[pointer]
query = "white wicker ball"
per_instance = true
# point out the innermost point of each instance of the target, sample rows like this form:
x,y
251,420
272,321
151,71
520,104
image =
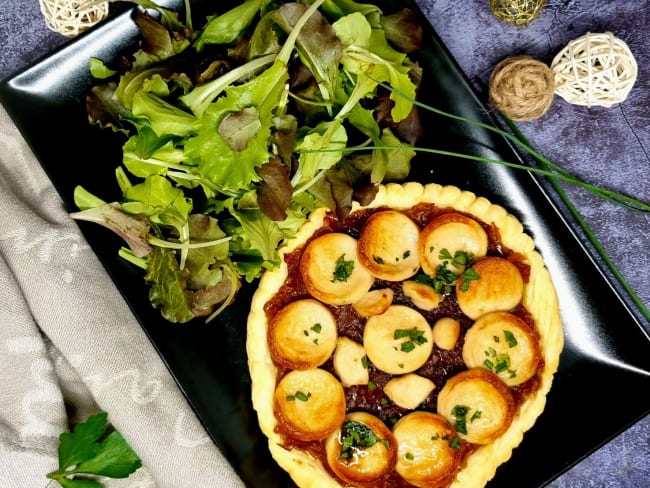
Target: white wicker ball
x,y
72,17
595,69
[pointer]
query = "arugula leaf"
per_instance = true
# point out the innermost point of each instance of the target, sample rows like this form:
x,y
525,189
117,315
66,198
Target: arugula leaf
x,y
89,450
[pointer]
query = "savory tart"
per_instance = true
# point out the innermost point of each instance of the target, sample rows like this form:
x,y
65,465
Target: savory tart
x,y
411,344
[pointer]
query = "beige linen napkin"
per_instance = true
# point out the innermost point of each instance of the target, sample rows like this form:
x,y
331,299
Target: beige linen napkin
x,y
69,346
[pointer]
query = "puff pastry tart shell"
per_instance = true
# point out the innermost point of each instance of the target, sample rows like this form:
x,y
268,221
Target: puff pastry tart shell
x,y
495,414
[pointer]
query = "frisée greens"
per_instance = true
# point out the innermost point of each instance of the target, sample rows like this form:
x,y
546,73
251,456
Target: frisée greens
x,y
236,131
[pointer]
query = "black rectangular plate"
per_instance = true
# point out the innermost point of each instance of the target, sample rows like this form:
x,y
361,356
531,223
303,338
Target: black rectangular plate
x,y
605,367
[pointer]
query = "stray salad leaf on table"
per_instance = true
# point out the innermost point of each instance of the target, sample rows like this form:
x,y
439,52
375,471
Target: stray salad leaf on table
x,y
235,132
91,451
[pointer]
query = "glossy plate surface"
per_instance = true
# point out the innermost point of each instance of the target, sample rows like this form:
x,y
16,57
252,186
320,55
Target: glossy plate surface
x,y
604,376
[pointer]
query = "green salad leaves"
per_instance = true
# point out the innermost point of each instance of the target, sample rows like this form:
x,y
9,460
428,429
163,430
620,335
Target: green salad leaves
x,y
236,131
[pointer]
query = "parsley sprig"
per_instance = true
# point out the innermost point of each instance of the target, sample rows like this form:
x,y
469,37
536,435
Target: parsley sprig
x,y
414,336
355,435
343,269
90,450
443,281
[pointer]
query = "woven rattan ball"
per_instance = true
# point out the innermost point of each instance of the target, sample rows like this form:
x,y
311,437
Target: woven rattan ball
x,y
522,88
595,69
72,17
517,12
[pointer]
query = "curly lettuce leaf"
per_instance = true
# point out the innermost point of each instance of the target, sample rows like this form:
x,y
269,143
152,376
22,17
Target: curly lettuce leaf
x,y
168,286
233,166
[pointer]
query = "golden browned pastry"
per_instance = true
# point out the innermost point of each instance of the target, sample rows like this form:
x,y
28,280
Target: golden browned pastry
x,y
440,338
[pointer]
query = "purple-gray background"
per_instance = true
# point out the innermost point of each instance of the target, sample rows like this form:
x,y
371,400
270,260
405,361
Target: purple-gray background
x,y
607,147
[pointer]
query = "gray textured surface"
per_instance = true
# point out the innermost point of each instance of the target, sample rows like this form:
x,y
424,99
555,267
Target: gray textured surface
x,y
607,147
604,146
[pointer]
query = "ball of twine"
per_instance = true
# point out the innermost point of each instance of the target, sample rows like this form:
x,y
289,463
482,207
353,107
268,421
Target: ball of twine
x,y
595,69
517,12
522,88
72,17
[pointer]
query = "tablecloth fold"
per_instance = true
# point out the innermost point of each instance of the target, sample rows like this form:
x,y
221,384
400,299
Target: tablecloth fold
x,y
70,346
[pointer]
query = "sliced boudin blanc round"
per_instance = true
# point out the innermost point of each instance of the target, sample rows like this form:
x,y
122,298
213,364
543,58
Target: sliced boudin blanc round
x,y
331,270
445,333
398,341
374,302
388,245
362,450
422,295
478,404
504,344
497,287
409,391
428,451
350,362
447,234
309,405
302,335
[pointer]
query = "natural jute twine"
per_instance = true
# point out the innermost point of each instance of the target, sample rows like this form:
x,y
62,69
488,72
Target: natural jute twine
x,y
595,69
522,88
72,17
517,12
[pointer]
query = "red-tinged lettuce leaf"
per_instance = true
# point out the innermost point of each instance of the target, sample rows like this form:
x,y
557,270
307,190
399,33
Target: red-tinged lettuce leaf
x,y
409,129
237,128
158,42
168,286
403,30
284,137
318,46
134,229
274,191
365,194
105,109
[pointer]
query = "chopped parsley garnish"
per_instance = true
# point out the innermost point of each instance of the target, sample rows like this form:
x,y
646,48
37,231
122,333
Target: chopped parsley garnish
x,y
355,435
406,254
364,362
343,269
378,259
460,259
317,328
498,362
510,338
468,275
454,443
460,413
409,456
299,395
444,279
414,338
476,415
371,385
384,401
